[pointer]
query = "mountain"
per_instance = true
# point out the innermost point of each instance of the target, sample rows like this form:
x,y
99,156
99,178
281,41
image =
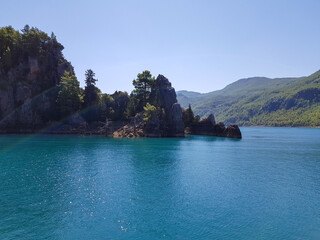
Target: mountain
x,y
261,101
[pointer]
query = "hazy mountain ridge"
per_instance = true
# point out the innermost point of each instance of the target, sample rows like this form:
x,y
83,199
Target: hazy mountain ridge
x,y
262,101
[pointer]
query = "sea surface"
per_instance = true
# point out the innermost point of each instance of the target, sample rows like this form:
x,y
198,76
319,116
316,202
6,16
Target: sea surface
x,y
265,186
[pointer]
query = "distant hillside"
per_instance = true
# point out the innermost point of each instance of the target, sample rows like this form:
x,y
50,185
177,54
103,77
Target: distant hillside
x,y
261,101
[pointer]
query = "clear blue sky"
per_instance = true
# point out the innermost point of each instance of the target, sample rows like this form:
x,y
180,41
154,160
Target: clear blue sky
x,y
199,45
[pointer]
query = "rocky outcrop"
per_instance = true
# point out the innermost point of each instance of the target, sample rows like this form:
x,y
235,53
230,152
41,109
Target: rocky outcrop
x,y
135,128
28,92
170,123
233,131
165,122
208,126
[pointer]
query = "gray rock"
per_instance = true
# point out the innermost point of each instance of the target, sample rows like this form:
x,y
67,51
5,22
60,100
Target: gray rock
x,y
28,92
164,96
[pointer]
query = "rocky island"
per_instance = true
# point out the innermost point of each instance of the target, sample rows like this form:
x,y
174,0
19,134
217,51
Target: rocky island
x,y
39,93
169,119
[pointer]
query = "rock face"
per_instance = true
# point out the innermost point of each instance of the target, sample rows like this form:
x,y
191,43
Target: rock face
x,y
208,126
165,122
28,92
164,96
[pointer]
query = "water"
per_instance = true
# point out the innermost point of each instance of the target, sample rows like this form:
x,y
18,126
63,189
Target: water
x,y
265,186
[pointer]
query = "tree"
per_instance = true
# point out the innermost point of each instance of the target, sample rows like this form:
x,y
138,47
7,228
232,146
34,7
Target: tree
x,y
132,107
26,29
9,47
92,98
91,92
188,116
69,96
143,85
116,106
90,80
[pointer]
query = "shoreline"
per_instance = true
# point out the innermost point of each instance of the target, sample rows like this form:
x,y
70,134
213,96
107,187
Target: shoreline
x,y
266,126
97,133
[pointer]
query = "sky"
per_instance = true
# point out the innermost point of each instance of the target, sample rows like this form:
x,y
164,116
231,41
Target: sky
x,y
198,45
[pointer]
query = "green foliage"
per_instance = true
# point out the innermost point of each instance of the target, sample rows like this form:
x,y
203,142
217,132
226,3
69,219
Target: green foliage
x,y
143,85
16,47
188,116
116,106
133,106
92,102
149,110
69,96
91,92
90,80
9,46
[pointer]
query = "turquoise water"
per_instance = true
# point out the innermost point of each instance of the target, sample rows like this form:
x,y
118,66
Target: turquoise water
x,y
265,186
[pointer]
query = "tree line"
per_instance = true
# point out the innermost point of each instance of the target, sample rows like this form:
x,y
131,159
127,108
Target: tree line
x,y
119,106
97,106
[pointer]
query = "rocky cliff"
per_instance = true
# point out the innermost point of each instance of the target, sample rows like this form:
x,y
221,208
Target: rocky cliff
x,y
28,80
165,121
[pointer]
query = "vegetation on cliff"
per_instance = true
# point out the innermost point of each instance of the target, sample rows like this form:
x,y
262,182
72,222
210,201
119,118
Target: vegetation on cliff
x,y
69,97
31,67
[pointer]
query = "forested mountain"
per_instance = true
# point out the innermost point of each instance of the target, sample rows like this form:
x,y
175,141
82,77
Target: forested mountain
x,y
261,101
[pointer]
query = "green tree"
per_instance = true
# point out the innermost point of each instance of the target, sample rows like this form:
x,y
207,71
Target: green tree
x,y
143,85
188,116
116,106
132,107
91,92
90,80
34,42
9,44
92,99
26,29
69,96
149,110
